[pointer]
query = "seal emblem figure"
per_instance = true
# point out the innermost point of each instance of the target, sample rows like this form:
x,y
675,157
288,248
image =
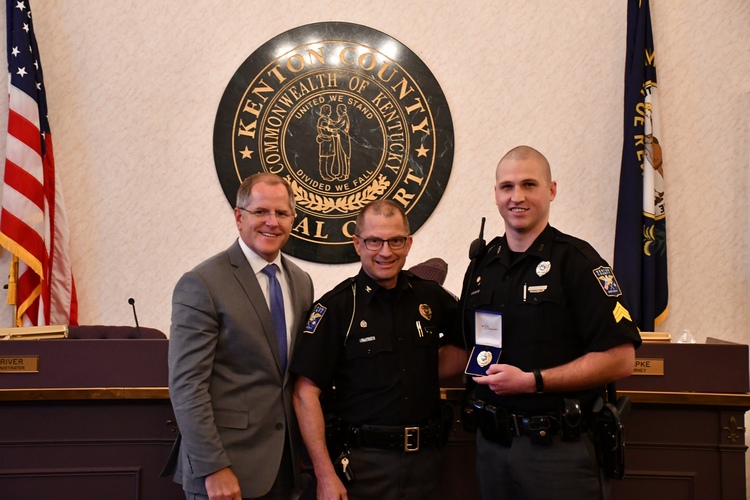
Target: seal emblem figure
x,y
347,115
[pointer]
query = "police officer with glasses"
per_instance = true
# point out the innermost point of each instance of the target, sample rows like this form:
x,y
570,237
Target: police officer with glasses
x,y
372,348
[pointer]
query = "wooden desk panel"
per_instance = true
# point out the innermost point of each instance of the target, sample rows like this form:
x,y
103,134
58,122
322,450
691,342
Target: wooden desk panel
x,y
94,422
683,452
89,448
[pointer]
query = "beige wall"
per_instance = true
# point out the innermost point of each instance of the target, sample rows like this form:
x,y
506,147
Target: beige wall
x,y
133,89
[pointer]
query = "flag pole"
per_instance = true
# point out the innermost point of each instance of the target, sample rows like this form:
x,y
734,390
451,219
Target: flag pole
x,y
13,287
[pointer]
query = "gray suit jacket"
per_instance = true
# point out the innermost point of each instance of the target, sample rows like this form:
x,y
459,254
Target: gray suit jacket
x,y
232,403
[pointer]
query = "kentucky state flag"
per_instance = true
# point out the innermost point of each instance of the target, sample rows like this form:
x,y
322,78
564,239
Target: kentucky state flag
x,y
641,238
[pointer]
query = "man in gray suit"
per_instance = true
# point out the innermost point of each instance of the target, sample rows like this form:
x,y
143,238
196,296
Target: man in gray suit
x,y
228,382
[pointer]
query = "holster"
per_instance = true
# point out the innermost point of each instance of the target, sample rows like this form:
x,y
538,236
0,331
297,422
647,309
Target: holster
x,y
470,411
609,437
571,419
492,421
335,436
446,423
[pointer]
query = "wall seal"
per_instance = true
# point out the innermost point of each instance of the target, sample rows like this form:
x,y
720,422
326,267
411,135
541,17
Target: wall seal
x,y
348,115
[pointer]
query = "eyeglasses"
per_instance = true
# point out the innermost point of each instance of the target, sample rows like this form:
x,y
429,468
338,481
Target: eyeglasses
x,y
396,243
262,213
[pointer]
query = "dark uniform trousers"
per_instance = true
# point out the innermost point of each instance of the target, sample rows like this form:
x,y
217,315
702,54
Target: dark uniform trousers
x,y
398,475
562,470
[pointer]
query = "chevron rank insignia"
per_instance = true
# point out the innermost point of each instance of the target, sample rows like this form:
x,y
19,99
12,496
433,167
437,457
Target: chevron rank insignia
x,y
620,313
607,281
315,316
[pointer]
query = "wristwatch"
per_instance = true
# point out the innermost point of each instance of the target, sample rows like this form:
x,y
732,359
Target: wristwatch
x,y
538,380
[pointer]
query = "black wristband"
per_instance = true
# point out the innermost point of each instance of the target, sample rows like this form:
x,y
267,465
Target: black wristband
x,y
538,380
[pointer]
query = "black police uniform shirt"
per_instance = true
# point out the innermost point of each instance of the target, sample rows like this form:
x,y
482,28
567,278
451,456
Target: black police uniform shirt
x,y
559,300
379,348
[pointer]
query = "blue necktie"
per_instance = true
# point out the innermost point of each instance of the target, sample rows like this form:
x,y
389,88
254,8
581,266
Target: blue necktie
x,y
277,311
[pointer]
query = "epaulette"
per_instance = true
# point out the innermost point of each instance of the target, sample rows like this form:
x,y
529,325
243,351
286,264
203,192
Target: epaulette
x,y
410,274
584,247
492,246
344,285
413,279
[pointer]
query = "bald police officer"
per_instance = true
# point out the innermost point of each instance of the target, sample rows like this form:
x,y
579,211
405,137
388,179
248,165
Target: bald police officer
x,y
564,334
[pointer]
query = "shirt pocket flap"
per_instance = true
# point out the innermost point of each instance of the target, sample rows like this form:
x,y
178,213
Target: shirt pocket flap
x,y
367,347
479,298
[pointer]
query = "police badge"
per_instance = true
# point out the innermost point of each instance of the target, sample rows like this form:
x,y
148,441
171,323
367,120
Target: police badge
x,y
543,268
425,311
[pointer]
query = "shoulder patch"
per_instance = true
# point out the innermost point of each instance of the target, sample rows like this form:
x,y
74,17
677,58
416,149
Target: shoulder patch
x,y
607,281
315,316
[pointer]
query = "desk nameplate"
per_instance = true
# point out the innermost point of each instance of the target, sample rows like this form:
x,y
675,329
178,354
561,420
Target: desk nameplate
x,y
19,364
649,366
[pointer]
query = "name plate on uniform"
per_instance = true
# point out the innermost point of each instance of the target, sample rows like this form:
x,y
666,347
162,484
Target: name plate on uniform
x,y
19,364
648,366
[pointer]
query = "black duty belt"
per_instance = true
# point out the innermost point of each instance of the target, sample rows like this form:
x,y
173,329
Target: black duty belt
x,y
526,425
501,424
400,438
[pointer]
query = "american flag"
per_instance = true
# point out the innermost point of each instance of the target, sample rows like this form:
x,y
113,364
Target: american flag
x,y
33,225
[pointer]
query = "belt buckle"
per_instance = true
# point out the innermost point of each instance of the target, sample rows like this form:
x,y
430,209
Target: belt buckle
x,y
541,424
409,432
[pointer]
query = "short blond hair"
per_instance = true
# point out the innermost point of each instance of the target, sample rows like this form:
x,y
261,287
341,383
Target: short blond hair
x,y
527,153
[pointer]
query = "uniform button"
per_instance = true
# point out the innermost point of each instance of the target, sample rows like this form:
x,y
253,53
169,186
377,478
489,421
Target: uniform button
x,y
507,276
279,426
403,369
400,339
502,306
369,351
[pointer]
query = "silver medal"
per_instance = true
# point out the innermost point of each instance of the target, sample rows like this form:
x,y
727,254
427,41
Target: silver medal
x,y
484,358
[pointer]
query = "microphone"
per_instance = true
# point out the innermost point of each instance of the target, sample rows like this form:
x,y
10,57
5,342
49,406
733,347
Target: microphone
x,y
131,301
